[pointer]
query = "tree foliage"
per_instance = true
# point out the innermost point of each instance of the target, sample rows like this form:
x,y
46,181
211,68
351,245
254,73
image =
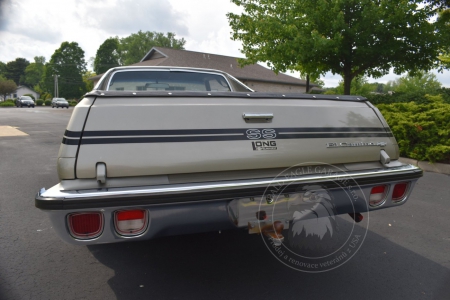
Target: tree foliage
x,y
15,70
89,83
133,48
2,69
67,62
443,23
423,82
107,56
347,37
34,72
7,86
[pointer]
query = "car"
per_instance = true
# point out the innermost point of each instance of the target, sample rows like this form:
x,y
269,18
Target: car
x,y
60,102
159,151
26,101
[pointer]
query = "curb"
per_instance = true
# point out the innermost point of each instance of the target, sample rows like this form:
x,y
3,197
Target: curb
x,y
427,166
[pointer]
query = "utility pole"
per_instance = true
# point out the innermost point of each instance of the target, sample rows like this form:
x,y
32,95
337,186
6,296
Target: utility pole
x,y
56,86
307,83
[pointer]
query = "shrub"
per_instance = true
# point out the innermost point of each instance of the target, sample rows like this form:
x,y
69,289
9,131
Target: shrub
x,y
422,130
418,97
6,103
39,102
48,102
73,103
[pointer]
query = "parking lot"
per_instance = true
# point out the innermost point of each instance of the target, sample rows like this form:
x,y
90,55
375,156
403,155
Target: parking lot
x,y
406,254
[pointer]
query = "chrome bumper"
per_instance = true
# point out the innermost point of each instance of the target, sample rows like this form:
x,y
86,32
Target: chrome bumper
x,y
57,199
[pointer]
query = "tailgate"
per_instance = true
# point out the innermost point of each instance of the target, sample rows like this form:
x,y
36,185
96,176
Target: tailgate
x,y
138,136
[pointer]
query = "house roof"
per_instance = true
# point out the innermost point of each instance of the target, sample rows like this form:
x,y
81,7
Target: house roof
x,y
25,87
159,56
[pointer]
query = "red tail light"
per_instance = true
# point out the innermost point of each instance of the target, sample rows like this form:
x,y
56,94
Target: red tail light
x,y
399,192
378,195
130,222
85,225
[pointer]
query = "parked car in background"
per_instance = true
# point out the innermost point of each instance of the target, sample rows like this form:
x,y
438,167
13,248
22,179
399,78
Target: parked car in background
x,y
60,102
25,101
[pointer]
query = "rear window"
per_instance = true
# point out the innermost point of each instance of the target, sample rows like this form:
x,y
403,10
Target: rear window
x,y
167,81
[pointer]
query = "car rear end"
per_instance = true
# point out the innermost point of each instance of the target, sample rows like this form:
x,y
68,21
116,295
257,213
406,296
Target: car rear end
x,y
140,164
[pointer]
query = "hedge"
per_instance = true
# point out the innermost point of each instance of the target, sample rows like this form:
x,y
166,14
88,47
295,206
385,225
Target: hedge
x,y
48,102
39,102
422,130
418,97
6,103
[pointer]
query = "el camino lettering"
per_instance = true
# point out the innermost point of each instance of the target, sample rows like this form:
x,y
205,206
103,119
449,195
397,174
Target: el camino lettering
x,y
357,144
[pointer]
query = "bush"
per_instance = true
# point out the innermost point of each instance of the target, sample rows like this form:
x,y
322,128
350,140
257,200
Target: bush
x,y
6,103
48,102
73,103
422,130
404,97
39,102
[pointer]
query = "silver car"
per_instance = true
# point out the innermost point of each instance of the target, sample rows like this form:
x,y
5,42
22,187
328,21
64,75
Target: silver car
x,y
60,102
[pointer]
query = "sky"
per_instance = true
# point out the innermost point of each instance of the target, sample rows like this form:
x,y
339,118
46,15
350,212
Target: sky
x,y
30,28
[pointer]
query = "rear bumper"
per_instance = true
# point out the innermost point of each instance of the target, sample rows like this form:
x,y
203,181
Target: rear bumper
x,y
199,207
56,199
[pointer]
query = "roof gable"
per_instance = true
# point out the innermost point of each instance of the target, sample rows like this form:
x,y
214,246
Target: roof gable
x,y
159,56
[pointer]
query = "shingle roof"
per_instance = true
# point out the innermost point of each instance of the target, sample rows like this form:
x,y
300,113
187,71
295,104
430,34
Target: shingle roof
x,y
159,56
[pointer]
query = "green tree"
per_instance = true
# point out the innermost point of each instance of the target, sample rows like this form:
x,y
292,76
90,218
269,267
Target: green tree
x,y
107,56
15,70
2,69
35,71
7,86
133,48
360,86
347,37
443,22
89,83
68,63
422,82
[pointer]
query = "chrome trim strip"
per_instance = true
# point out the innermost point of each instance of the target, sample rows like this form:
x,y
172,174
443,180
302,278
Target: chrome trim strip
x,y
217,186
257,116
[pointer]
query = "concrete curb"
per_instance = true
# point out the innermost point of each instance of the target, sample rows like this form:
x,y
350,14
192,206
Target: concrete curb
x,y
427,166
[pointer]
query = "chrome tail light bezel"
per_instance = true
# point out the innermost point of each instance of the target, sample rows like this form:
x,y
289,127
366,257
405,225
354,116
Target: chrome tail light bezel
x,y
90,236
403,198
136,233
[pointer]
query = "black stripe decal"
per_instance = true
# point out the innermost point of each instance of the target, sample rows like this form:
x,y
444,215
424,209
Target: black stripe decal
x,y
75,134
181,139
104,133
70,141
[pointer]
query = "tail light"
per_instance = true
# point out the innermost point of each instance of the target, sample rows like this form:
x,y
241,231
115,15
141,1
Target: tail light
x,y
85,225
130,222
378,195
399,192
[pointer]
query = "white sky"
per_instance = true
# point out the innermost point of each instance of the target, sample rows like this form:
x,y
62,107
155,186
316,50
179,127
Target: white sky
x,y
30,28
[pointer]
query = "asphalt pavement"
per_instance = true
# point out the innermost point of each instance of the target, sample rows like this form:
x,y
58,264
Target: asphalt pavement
x,y
405,255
